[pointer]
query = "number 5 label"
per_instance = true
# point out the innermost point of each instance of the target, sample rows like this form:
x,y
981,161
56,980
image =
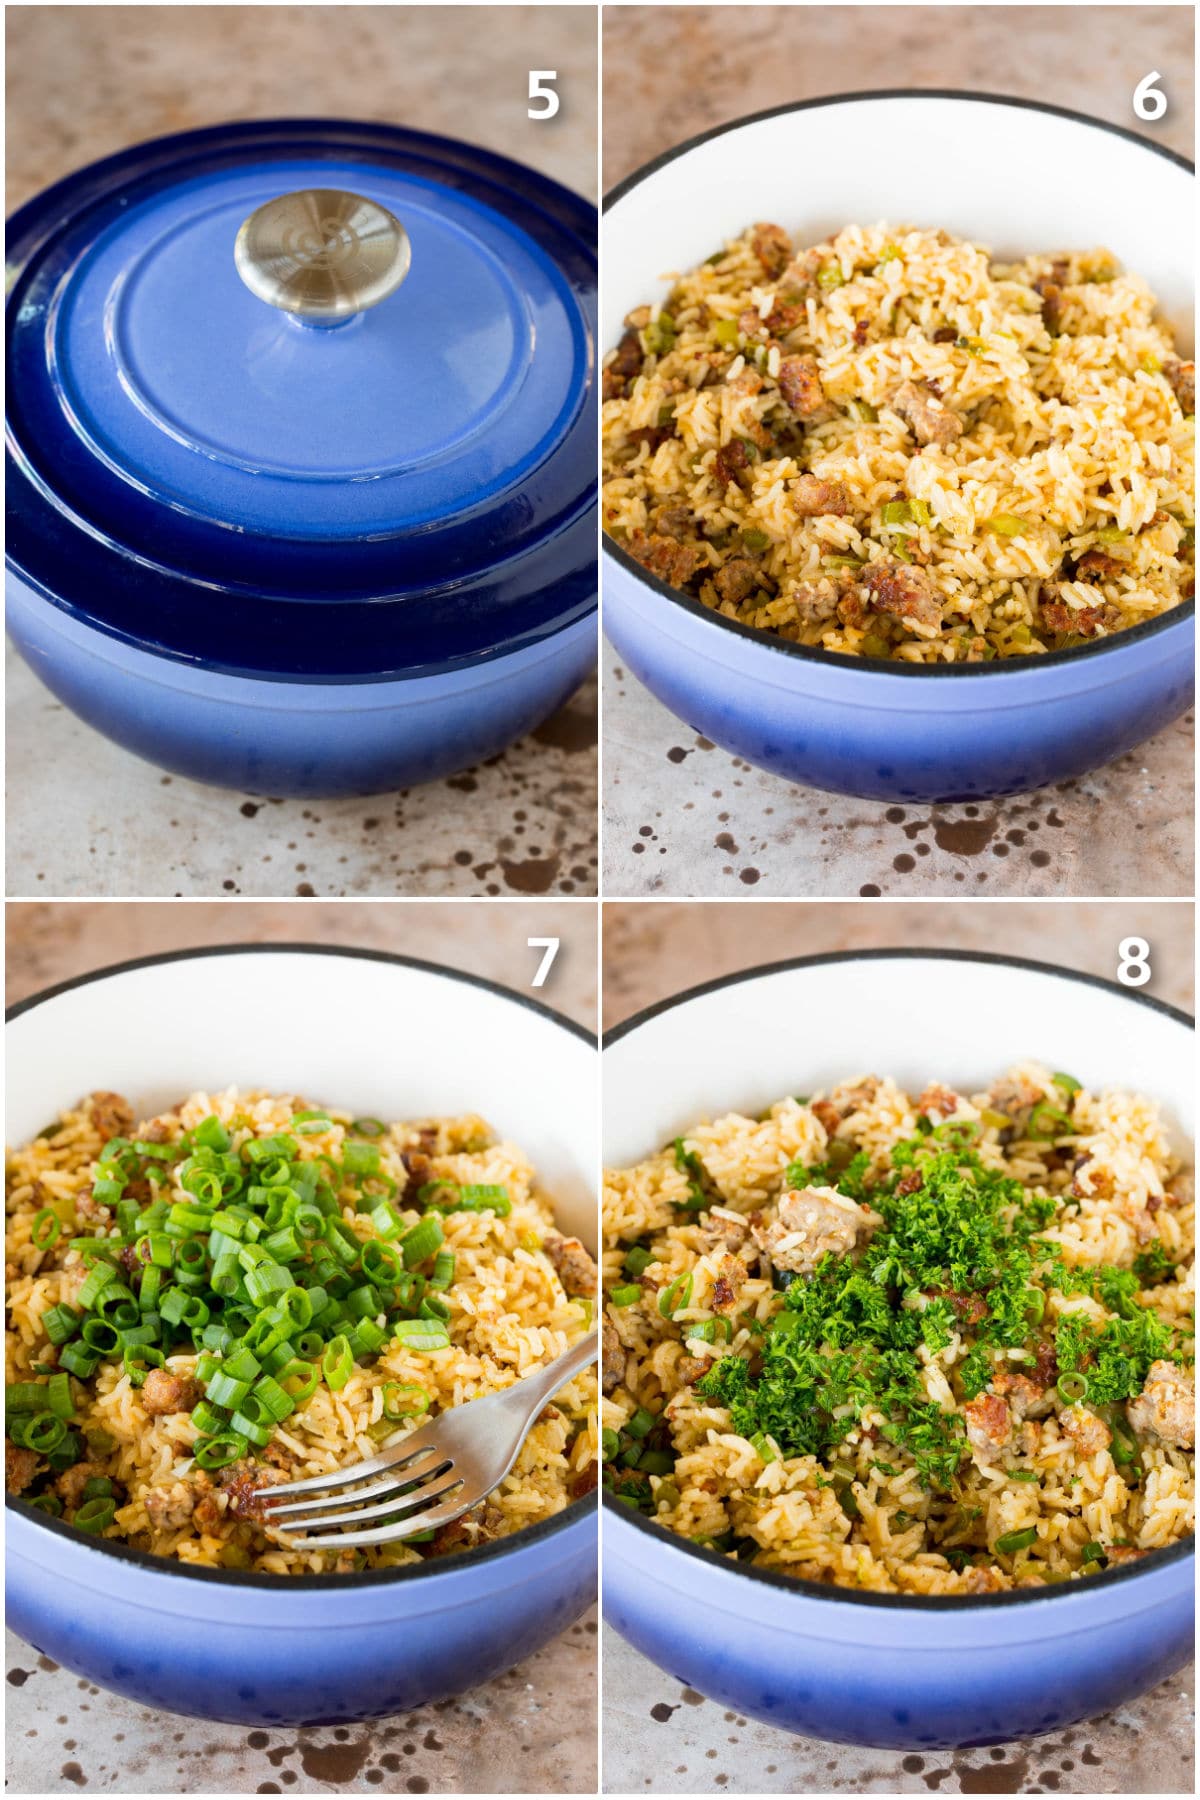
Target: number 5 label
x,y
540,89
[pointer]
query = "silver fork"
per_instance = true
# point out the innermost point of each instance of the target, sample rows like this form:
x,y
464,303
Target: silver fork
x,y
434,1476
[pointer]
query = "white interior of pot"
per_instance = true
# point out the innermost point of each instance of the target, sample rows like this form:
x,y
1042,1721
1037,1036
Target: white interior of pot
x,y
746,1045
1010,177
380,1039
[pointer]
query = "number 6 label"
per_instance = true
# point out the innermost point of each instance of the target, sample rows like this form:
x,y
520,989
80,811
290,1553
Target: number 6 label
x,y
1149,102
540,89
1133,969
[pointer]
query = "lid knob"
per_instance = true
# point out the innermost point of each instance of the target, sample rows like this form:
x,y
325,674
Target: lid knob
x,y
322,254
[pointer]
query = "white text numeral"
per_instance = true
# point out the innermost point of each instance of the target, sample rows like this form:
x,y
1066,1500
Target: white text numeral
x,y
1133,969
549,950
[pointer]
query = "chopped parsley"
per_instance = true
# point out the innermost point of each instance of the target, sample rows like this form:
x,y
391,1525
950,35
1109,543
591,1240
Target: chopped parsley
x,y
959,1239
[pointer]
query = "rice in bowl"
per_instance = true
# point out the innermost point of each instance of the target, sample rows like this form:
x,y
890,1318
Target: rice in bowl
x,y
892,445
487,1293
929,1345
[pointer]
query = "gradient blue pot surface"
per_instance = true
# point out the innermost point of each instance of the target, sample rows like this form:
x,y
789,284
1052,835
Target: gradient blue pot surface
x,y
890,1672
298,560
926,735
309,1650
297,739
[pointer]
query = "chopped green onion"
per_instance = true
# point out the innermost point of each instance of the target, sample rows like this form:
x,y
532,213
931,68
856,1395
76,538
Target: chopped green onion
x,y
829,276
641,1424
896,512
337,1364
95,1515
443,1270
299,1379
61,1322
1073,1387
1068,1083
1091,1552
44,1432
1023,1475
1047,1122
421,1334
422,1242
677,1296
58,1396
625,1296
404,1400
1016,1540
45,1229
219,1452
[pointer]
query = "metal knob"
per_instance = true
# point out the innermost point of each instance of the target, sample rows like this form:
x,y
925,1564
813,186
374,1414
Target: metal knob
x,y
322,255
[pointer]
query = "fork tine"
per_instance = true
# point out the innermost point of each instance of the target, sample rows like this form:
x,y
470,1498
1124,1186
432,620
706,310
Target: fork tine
x,y
385,1534
395,1477
395,1458
441,1485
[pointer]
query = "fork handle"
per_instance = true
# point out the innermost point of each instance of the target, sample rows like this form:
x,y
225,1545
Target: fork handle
x,y
536,1389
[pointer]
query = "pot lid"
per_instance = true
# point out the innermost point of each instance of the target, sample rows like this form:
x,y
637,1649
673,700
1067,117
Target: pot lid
x,y
260,372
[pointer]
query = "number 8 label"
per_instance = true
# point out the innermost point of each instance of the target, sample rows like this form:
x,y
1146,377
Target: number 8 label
x,y
1133,969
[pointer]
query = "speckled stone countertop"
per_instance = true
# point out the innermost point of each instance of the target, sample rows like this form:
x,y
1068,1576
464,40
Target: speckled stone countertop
x,y
533,1730
681,817
694,1745
85,817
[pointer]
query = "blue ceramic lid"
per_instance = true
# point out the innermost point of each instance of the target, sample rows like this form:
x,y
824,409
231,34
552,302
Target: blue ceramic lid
x,y
349,433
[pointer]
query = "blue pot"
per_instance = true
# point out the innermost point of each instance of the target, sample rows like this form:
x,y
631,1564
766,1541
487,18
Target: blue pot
x,y
272,1650
895,1673
273,555
308,1650
888,731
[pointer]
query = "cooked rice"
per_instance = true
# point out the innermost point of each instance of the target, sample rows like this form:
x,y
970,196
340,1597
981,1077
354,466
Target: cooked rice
x,y
858,1514
510,1316
1076,442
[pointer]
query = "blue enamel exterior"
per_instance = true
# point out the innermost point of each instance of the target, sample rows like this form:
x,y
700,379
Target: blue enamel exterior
x,y
303,562
239,550
303,739
896,1673
294,1651
883,733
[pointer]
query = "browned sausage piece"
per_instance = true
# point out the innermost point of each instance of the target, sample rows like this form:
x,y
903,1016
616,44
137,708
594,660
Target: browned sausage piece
x,y
576,1270
111,1114
163,1392
773,248
1083,620
730,463
1094,565
613,1356
20,1467
812,497
928,417
736,580
800,385
1182,377
666,557
903,591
